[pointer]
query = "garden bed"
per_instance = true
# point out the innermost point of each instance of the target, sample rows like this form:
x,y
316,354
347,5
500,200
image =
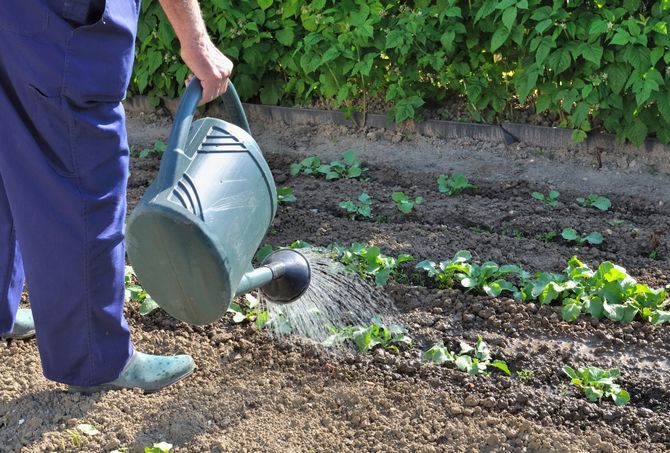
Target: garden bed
x,y
256,392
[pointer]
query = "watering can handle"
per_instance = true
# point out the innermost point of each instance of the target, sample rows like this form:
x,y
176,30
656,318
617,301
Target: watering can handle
x,y
174,158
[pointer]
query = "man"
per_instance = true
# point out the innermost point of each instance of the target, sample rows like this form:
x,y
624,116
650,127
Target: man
x,y
64,69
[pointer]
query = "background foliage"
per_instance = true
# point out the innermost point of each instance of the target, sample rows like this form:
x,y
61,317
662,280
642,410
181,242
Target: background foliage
x,y
596,64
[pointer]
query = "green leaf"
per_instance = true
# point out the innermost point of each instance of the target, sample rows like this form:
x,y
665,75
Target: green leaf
x,y
569,234
509,16
592,53
621,38
621,398
501,365
147,306
571,310
463,362
593,393
498,39
578,136
616,77
285,36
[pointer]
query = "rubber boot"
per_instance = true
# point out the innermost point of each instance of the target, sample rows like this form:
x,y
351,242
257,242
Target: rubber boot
x,y
146,372
24,326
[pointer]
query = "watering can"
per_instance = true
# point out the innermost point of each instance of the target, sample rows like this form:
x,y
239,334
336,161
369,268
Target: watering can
x,y
194,233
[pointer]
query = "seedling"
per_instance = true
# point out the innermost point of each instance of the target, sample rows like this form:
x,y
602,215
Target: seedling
x,y
571,235
161,447
404,203
472,360
549,235
362,208
550,199
249,310
135,292
285,195
350,167
453,185
595,201
525,375
444,272
368,262
596,383
487,278
366,338
158,149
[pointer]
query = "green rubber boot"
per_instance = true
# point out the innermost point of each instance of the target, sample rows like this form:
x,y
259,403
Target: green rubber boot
x,y
146,372
24,326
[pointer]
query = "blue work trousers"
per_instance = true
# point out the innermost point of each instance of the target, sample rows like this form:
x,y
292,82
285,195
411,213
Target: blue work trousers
x,y
64,69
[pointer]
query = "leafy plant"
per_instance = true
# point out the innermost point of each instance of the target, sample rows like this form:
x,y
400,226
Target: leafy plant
x,y
472,360
571,235
444,271
158,149
550,199
350,167
597,383
368,261
607,292
135,292
595,201
362,208
454,184
589,66
404,203
487,278
366,338
285,195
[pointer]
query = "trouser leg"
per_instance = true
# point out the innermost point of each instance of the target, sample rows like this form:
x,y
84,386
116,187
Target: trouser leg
x,y
11,266
64,163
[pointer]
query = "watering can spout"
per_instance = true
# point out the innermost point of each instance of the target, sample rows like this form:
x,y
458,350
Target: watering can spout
x,y
282,277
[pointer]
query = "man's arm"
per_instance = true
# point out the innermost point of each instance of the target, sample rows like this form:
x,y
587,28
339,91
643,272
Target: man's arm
x,y
197,50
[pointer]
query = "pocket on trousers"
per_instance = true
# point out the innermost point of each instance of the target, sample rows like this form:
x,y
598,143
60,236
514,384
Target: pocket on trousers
x,y
23,17
52,130
81,13
100,55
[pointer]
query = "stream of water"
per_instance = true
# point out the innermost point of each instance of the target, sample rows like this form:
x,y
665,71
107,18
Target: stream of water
x,y
335,297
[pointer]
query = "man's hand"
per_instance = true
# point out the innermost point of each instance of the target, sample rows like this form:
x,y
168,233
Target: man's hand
x,y
210,66
198,52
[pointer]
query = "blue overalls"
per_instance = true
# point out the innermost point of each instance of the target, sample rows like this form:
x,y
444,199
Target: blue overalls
x,y
64,68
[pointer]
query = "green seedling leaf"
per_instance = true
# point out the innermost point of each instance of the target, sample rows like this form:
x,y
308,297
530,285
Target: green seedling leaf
x,y
161,447
147,306
285,195
404,203
551,199
502,366
88,429
596,201
454,184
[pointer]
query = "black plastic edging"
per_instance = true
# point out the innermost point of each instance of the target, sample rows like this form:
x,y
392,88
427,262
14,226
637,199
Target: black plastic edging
x,y
508,133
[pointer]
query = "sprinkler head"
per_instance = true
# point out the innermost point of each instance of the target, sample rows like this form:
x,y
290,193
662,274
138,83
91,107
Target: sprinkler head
x,y
291,276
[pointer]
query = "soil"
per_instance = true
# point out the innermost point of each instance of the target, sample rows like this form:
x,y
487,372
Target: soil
x,y
256,392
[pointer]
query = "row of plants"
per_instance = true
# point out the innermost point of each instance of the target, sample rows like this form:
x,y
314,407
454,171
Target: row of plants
x,y
361,208
595,64
606,292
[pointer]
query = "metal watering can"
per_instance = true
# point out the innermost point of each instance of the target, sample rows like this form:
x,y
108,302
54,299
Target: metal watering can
x,y
194,233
